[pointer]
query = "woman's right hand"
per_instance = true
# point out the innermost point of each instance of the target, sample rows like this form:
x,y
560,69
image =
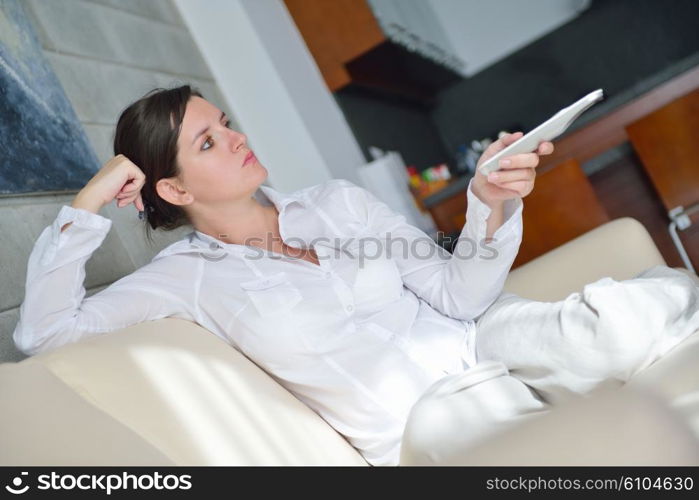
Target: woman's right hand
x,y
119,179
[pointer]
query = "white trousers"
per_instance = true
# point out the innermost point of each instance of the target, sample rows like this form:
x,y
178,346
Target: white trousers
x,y
532,355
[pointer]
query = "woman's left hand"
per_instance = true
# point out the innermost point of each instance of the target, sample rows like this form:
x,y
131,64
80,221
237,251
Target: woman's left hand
x,y
515,179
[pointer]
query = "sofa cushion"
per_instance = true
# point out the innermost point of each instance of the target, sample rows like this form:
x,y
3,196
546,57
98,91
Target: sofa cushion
x,y
675,378
44,422
196,398
619,249
607,427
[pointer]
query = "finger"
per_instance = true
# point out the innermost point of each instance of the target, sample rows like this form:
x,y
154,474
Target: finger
x,y
124,196
522,188
508,139
545,148
505,176
503,142
511,192
125,200
139,203
524,160
131,187
124,192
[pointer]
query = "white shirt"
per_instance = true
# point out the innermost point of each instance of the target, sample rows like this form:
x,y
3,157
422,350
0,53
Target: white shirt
x,y
358,338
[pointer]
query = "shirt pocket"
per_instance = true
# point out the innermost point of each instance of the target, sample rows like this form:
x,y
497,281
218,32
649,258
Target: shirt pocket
x,y
272,295
378,282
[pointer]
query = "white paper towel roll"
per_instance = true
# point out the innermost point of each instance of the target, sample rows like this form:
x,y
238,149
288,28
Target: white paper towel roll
x,y
388,180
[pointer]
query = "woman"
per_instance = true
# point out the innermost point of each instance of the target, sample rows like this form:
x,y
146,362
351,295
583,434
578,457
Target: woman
x,y
339,299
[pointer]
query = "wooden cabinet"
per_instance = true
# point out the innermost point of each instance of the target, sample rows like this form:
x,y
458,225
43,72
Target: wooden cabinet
x,y
562,206
667,142
350,49
336,32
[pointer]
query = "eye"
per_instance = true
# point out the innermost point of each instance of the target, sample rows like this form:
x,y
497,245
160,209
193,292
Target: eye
x,y
208,140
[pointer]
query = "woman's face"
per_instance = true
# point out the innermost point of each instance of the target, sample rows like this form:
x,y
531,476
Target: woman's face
x,y
212,157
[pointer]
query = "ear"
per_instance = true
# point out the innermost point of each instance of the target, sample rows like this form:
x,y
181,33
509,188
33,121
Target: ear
x,y
171,191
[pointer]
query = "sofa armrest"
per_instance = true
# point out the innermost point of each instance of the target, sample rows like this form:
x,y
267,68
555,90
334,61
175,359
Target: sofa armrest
x,y
190,395
619,249
45,422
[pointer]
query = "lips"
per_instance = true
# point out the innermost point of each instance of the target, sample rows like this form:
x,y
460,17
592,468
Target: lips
x,y
249,158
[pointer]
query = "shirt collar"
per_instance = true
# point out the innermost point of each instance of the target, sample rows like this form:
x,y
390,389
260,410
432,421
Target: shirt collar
x,y
280,200
267,196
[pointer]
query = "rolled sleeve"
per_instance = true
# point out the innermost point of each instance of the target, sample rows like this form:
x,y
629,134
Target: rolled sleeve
x,y
477,214
55,311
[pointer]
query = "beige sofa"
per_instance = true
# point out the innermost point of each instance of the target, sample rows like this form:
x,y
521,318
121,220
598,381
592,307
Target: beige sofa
x,y
169,392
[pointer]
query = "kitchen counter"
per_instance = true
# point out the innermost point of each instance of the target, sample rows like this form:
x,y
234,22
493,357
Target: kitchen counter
x,y
458,184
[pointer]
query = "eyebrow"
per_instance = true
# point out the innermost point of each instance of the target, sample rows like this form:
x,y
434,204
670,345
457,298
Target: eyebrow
x,y
203,131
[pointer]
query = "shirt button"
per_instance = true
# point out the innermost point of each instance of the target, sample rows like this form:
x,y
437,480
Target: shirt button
x,y
349,308
328,274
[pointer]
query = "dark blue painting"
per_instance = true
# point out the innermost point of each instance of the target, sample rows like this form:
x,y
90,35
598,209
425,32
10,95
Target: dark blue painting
x,y
42,145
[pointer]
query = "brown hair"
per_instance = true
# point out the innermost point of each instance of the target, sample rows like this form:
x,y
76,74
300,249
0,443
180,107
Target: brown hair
x,y
146,134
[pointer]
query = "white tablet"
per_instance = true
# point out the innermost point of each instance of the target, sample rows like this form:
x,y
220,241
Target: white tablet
x,y
547,131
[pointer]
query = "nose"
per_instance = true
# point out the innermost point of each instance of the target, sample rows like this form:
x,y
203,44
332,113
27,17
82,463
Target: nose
x,y
237,140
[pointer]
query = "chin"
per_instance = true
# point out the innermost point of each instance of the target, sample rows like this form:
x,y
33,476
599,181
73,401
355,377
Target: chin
x,y
260,179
